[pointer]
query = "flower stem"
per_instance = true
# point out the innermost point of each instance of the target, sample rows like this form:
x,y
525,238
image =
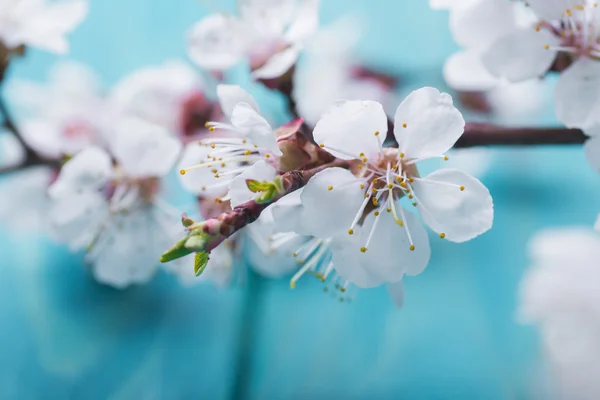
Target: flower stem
x,y
493,135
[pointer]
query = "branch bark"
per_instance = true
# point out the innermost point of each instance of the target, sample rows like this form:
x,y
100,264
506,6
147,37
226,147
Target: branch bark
x,y
492,135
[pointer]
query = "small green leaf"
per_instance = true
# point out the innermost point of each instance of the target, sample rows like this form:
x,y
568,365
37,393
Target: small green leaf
x,y
200,262
176,251
255,186
186,221
196,242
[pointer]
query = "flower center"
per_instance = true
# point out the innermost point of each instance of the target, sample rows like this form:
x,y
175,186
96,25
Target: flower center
x,y
577,31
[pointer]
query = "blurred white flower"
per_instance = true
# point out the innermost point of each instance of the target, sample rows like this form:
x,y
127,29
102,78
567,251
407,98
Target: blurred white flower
x,y
40,23
64,115
561,294
270,34
327,73
115,210
361,210
250,149
170,95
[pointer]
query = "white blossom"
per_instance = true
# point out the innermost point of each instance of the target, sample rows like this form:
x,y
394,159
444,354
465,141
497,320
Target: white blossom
x,y
40,23
115,210
560,295
270,34
367,250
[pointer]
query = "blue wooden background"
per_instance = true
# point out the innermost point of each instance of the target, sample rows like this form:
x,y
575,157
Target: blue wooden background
x,y
64,336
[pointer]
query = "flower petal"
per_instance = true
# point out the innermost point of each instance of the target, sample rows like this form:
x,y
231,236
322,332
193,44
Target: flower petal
x,y
465,71
521,55
288,213
351,267
144,150
459,214
231,95
305,23
577,95
330,213
592,152
216,43
549,10
348,129
477,24
255,128
396,292
238,189
278,64
89,170
202,181
427,124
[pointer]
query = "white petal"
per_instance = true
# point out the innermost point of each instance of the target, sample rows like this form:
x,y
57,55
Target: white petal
x,y
77,218
12,153
127,254
460,215
231,95
396,292
448,4
351,267
305,23
278,64
331,212
88,170
577,95
427,124
238,189
597,223
348,129
267,17
521,55
592,152
465,71
255,128
288,213
202,180
549,10
478,24
216,42
143,149
269,261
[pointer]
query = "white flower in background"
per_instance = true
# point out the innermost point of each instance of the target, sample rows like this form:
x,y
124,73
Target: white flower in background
x,y
561,295
64,115
248,140
361,209
116,210
170,95
326,73
40,23
23,200
270,34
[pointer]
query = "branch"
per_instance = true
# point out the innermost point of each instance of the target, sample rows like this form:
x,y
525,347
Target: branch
x,y
492,135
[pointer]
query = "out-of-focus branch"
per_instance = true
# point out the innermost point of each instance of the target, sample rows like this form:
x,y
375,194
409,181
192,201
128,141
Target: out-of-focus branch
x,y
492,135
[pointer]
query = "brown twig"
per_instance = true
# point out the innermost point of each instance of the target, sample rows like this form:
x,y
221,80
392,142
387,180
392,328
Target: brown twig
x,y
492,135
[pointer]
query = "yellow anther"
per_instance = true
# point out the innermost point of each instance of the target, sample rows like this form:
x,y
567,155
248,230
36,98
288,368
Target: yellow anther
x,y
445,158
321,145
207,124
212,129
388,209
203,188
295,254
182,171
410,196
217,176
363,249
329,187
404,125
547,46
376,213
442,235
399,222
389,185
364,159
244,141
213,146
412,247
462,188
362,185
411,180
374,190
414,204
403,184
342,290
361,155
401,155
214,170
292,284
256,146
223,164
376,133
247,152
399,179
375,202
350,231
